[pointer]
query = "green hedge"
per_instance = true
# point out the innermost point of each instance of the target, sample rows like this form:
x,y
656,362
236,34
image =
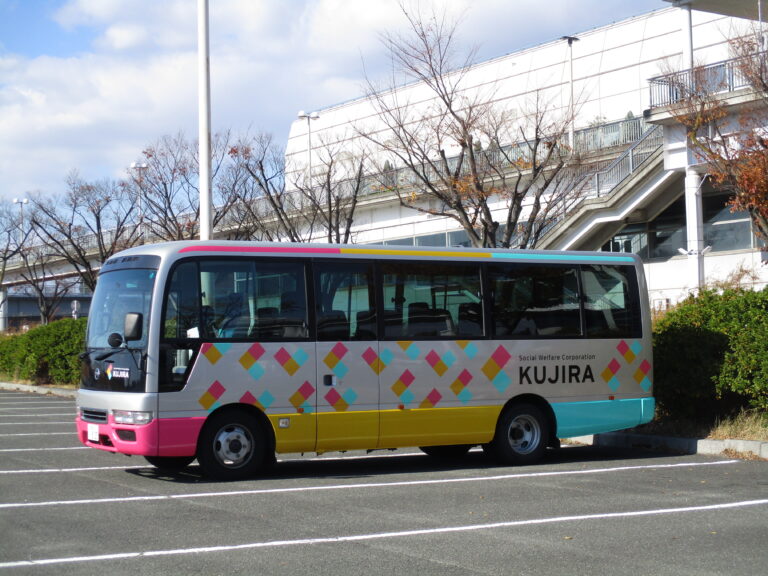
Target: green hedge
x,y
711,355
46,354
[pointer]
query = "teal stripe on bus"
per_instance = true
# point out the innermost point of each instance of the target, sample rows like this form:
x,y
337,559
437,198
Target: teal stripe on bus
x,y
563,257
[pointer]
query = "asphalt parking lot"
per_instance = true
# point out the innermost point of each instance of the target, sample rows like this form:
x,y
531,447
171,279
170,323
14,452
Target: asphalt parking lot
x,y
584,510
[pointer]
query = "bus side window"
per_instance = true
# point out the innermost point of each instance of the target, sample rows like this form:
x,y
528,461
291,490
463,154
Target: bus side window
x,y
535,301
344,301
279,301
425,300
610,308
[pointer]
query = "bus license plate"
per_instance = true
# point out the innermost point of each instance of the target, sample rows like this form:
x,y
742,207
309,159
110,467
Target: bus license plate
x,y
93,432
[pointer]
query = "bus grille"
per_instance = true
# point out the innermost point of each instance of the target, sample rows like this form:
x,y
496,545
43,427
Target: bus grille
x,y
90,415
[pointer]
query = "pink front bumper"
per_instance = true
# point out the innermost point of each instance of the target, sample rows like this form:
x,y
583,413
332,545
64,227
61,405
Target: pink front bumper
x,y
165,437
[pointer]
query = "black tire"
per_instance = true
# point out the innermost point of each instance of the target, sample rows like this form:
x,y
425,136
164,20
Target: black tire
x,y
170,463
231,446
453,452
522,435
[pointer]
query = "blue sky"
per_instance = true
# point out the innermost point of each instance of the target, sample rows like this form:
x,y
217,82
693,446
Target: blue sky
x,y
87,84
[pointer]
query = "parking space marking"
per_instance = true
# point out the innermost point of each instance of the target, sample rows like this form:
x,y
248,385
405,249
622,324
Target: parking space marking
x,y
62,470
70,433
36,423
44,449
384,535
357,486
33,407
72,414
36,402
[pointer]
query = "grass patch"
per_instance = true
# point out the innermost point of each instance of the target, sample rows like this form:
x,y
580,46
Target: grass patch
x,y
747,425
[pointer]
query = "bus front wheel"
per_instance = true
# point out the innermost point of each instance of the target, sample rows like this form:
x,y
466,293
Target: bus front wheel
x,y
522,435
231,446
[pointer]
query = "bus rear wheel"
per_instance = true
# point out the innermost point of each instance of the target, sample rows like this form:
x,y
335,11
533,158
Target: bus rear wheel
x,y
231,446
522,435
170,463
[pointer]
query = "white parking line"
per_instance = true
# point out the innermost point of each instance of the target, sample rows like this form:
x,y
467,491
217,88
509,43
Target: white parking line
x,y
30,408
383,535
72,432
72,414
358,486
70,422
36,402
43,449
83,469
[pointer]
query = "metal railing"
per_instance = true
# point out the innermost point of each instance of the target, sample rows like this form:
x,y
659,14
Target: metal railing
x,y
721,77
604,181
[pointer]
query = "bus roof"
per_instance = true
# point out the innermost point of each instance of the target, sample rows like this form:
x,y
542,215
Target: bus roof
x,y
180,249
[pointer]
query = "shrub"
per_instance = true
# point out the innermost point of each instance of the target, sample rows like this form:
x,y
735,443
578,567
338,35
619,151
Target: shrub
x,y
46,354
711,354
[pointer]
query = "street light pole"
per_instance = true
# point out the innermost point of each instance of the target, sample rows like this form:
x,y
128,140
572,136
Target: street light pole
x,y
21,202
140,167
571,135
204,118
309,117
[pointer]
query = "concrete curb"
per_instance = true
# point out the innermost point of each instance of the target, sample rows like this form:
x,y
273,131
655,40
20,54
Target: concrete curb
x,y
676,445
610,439
44,390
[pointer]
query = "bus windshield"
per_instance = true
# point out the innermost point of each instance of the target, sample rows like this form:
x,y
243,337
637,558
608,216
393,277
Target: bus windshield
x,y
119,292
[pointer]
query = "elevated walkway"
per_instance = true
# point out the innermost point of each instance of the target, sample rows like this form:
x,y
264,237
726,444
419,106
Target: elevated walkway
x,y
631,189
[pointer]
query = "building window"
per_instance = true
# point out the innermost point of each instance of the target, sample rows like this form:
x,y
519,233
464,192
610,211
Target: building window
x,y
724,230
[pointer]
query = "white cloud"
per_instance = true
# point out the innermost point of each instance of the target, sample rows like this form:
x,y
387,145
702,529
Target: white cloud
x,y
95,111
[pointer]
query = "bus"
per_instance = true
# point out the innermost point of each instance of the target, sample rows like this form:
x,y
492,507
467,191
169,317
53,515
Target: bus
x,y
233,352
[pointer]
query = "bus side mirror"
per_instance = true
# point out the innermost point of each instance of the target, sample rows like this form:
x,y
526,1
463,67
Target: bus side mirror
x,y
132,327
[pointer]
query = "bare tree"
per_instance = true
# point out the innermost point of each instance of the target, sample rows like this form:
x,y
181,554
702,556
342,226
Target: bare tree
x,y
167,188
464,155
12,238
731,140
265,210
40,278
330,194
86,225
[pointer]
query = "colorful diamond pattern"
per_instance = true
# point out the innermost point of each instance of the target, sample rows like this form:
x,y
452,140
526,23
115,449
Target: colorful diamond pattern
x,y
214,352
400,387
300,398
641,376
440,365
333,360
340,402
251,356
469,347
263,402
291,364
493,368
375,361
410,348
211,397
459,386
432,399
609,374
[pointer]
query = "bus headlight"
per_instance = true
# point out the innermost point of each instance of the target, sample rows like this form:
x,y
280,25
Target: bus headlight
x,y
131,417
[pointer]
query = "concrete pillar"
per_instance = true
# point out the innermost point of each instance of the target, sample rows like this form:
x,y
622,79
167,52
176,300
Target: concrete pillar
x,y
3,310
687,26
694,218
694,223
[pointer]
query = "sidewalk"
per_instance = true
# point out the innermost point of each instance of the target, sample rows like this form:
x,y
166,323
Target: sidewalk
x,y
53,391
611,439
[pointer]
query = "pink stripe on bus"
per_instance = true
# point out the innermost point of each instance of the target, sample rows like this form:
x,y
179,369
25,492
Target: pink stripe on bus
x,y
278,249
